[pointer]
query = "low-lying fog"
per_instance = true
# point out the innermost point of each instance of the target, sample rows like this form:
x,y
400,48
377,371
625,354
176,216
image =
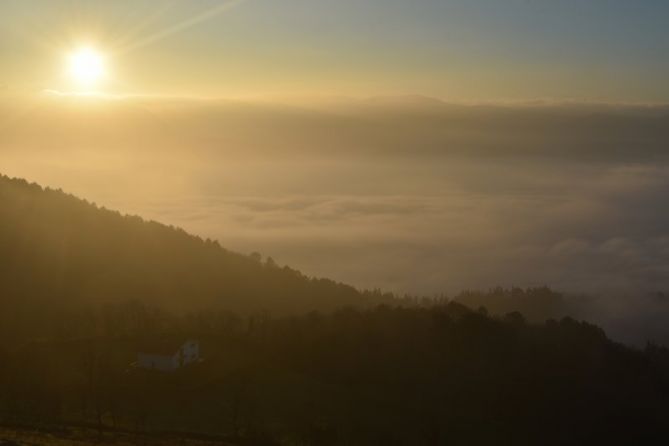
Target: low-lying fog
x,y
405,194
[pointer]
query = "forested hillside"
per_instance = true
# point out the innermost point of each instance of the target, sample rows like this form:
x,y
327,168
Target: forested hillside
x,y
62,255
288,359
58,252
386,376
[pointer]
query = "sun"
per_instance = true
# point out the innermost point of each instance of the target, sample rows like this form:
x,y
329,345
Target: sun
x,y
86,66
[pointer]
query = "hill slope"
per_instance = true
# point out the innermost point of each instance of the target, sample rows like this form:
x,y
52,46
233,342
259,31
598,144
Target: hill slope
x,y
433,374
57,249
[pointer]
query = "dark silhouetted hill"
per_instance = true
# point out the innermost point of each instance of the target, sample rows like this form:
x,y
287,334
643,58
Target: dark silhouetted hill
x,y
537,304
81,287
384,376
58,250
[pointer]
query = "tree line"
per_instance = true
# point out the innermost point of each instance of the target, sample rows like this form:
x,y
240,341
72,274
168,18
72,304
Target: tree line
x,y
443,374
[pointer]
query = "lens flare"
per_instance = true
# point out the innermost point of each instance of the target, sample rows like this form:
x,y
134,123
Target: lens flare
x,y
86,66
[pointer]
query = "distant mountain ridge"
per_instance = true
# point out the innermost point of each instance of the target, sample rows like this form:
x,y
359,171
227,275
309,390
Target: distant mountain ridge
x,y
57,248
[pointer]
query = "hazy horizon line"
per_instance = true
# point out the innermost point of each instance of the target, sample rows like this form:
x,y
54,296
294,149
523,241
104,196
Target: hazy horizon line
x,y
408,98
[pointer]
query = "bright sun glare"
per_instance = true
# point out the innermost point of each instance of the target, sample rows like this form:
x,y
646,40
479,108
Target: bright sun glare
x,y
86,66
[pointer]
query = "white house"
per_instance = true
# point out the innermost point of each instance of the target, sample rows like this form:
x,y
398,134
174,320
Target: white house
x,y
167,355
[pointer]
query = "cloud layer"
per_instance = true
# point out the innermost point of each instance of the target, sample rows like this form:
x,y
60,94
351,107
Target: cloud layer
x,y
405,194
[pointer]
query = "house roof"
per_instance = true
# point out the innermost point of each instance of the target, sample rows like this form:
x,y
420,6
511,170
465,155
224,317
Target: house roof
x,y
161,345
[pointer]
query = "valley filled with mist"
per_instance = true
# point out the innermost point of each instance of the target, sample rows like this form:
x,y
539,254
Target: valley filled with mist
x,y
409,195
319,223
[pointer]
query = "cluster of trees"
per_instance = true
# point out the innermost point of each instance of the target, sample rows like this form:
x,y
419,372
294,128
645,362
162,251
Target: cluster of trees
x,y
60,251
389,375
291,359
537,304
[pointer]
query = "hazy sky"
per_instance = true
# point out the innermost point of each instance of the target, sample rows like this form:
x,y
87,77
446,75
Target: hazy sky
x,y
464,50
371,184
406,194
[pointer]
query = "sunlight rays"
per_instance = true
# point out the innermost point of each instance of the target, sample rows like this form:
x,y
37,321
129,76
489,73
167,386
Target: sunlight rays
x,y
134,32
178,27
87,67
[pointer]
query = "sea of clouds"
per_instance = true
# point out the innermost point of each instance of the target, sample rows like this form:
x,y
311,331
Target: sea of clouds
x,y
404,194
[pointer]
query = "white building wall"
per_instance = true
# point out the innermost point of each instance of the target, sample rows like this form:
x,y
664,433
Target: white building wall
x,y
188,353
157,362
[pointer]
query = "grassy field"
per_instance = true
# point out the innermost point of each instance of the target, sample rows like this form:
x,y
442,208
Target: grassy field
x,y
23,436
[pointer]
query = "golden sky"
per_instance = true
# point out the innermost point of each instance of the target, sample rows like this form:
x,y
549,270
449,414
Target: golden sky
x,y
378,184
481,50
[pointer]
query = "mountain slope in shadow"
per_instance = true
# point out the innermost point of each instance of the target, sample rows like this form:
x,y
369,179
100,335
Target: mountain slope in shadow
x,y
58,250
